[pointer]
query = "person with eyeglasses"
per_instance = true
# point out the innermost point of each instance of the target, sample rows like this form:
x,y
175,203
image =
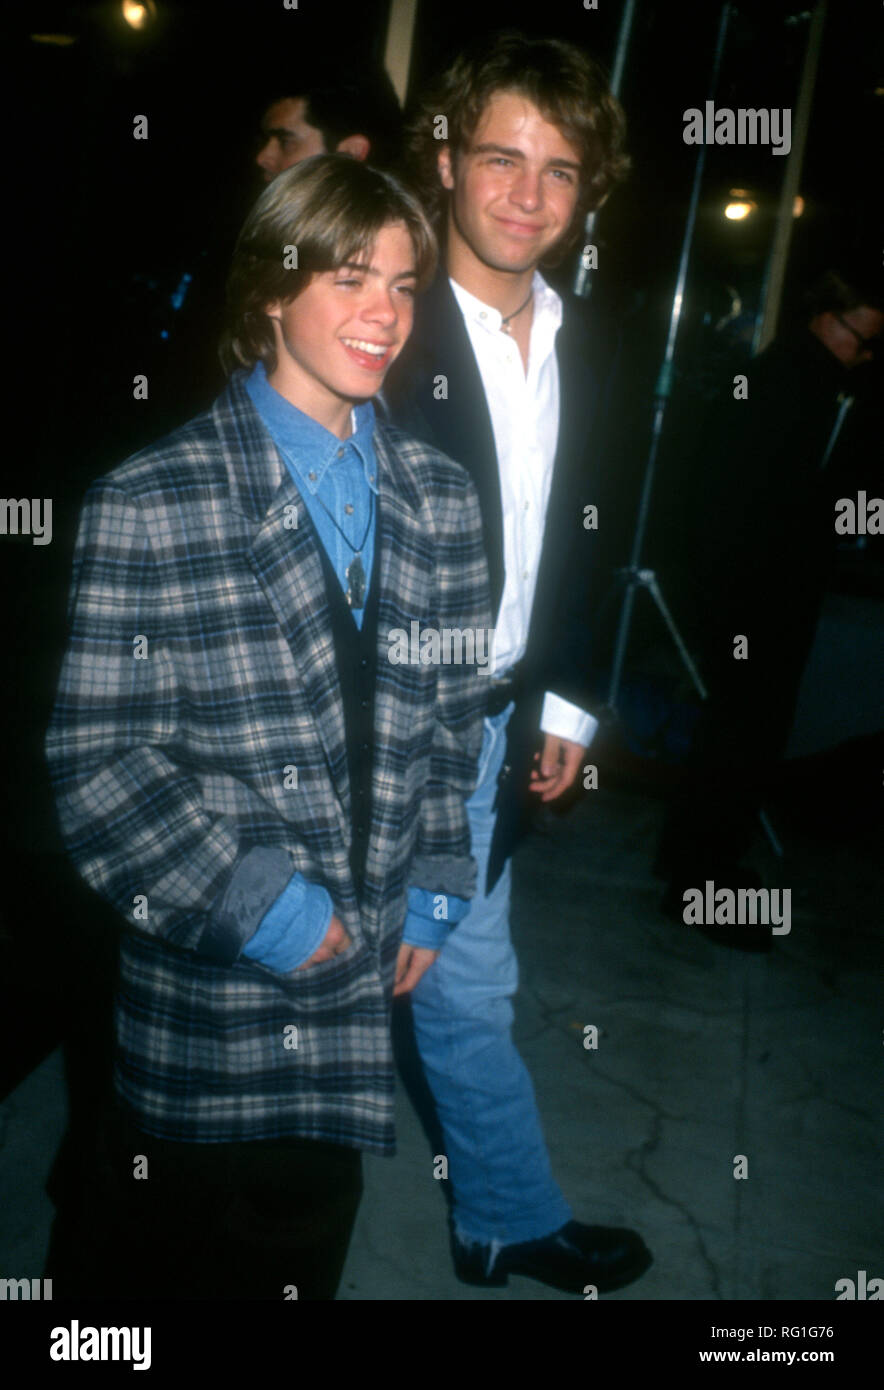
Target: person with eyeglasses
x,y
830,327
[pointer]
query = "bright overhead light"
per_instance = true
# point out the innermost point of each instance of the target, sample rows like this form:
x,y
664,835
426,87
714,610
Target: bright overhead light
x,y
798,205
138,13
740,205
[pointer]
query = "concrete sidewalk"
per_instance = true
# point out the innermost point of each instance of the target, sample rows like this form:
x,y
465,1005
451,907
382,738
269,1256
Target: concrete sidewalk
x,y
703,1054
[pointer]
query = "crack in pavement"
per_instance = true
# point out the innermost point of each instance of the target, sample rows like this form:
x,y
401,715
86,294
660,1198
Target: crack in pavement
x,y
635,1160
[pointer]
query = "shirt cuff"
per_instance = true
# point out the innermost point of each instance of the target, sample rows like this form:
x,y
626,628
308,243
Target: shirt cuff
x,y
565,720
293,928
431,916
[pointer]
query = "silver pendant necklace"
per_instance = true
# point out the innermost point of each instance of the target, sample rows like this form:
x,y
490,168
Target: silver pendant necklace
x,y
355,571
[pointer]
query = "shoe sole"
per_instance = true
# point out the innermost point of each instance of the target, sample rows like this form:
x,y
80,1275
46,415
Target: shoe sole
x,y
500,1279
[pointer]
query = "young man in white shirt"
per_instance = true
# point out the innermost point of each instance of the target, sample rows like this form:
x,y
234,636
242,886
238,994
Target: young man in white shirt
x,y
508,381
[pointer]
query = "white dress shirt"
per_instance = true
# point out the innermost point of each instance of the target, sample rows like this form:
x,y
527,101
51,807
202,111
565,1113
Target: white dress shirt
x,y
524,409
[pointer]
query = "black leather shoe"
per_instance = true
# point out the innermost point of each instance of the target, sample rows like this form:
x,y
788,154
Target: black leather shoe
x,y
569,1259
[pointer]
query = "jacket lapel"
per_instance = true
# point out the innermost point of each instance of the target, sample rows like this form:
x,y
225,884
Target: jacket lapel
x,y
286,564
288,568
405,569
460,423
577,395
573,481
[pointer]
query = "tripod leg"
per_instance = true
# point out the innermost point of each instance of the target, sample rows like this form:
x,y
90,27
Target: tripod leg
x,y
649,579
620,648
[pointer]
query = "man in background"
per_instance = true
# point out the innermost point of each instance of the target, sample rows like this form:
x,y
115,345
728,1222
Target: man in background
x,y
361,119
774,464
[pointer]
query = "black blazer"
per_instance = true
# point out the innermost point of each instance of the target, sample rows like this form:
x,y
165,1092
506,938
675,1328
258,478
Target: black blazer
x,y
571,579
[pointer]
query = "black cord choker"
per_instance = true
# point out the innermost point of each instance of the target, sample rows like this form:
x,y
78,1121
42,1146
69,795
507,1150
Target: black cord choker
x,y
515,314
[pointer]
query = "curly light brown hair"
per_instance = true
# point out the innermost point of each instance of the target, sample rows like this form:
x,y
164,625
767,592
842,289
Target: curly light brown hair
x,y
568,88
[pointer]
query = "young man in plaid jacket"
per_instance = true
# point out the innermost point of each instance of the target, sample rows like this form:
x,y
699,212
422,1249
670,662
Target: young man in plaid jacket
x,y
249,770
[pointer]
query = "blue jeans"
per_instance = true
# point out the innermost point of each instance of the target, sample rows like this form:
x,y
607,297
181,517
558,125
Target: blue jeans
x,y
502,1187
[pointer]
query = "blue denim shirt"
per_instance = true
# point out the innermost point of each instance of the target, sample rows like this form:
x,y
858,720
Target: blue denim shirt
x,y
342,474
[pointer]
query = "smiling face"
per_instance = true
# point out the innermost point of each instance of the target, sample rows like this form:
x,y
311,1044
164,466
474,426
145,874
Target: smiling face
x,y
514,190
335,342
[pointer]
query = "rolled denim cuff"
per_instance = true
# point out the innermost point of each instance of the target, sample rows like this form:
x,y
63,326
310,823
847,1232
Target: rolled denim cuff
x,y
255,883
293,928
431,916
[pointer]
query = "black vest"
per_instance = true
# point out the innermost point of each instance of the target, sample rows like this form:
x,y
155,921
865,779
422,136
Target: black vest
x,y
356,658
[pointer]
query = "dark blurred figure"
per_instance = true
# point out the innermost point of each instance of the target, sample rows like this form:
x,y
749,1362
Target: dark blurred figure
x,y
359,118
766,482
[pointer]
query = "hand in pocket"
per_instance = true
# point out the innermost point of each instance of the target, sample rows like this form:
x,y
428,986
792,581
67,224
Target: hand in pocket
x,y
335,941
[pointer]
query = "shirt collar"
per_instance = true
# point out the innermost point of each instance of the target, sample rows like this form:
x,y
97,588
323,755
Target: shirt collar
x,y
308,447
547,305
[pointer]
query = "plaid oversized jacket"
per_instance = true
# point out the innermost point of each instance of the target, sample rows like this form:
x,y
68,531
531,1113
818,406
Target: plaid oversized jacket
x,y
199,726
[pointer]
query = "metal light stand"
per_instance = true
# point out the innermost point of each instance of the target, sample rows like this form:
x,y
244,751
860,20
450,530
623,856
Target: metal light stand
x,y
634,576
582,279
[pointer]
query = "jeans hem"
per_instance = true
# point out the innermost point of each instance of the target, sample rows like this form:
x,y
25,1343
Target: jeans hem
x,y
544,1221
